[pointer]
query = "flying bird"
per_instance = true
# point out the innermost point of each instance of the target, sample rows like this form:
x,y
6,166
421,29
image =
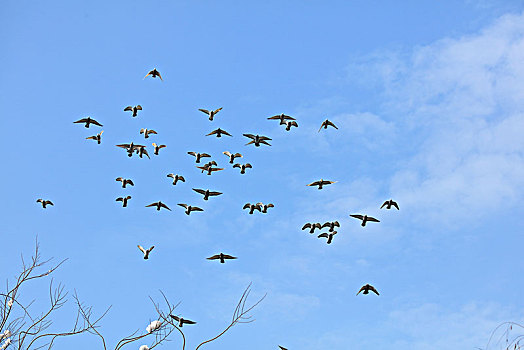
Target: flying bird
x,y
232,156
367,288
125,182
44,203
123,200
97,137
190,208
207,193
242,167
331,225
141,150
88,122
209,169
158,205
329,236
282,117
264,207
130,148
325,125
133,109
181,320
158,148
222,257
211,114
252,207
219,132
207,165
290,124
364,218
388,204
321,183
146,132
312,227
257,140
176,178
146,252
154,73
198,155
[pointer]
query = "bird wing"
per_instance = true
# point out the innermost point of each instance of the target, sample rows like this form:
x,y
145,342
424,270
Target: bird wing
x,y
238,155
373,219
227,153
274,117
152,204
228,256
144,151
83,120
293,123
322,125
217,110
181,178
263,138
226,133
139,107
171,175
124,145
161,146
91,138
358,216
49,202
247,165
316,183
250,142
214,257
327,224
164,206
361,289
336,224
142,130
215,169
196,209
326,182
204,155
323,235
237,165
251,136
192,153
95,122
198,190
204,110
330,123
393,203
119,199
39,200
128,108
247,205
213,132
182,205
317,225
141,249
215,193
119,179
128,197
264,142
158,73
151,131
308,225
384,204
270,205
151,248
189,321
148,74
373,289
176,318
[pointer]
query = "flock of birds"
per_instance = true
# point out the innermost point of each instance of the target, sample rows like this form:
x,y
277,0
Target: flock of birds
x,y
212,166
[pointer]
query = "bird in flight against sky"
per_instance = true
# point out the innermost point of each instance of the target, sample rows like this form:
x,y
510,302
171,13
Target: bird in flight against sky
x,y
264,207
211,114
125,182
141,150
222,257
198,156
209,169
282,117
312,226
44,203
88,121
325,125
176,178
219,132
207,193
242,167
257,140
364,218
146,252
154,73
157,148
367,288
289,124
181,320
97,137
133,109
252,207
123,200
158,205
232,156
329,236
146,132
189,208
389,203
321,183
331,225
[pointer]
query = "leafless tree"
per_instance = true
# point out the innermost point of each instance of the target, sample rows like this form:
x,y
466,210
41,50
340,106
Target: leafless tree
x,y
507,336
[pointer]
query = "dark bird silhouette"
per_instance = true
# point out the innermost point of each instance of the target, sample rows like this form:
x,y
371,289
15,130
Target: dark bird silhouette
x,y
257,140
44,203
388,204
130,148
190,208
321,183
97,137
209,169
264,207
133,109
325,125
219,132
367,288
331,225
282,117
207,165
242,167
146,132
176,178
146,252
252,207
207,193
181,320
364,218
123,200
198,156
154,73
125,182
232,156
211,114
329,236
290,124
282,348
157,147
88,121
222,257
141,150
158,205
312,227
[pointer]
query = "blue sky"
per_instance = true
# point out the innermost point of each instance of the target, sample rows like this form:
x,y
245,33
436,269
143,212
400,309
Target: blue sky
x,y
428,99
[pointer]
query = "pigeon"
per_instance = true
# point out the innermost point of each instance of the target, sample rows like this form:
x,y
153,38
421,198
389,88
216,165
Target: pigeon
x,y
331,225
257,139
252,207
158,148
44,203
141,150
146,132
367,288
97,137
207,165
312,227
388,204
176,178
242,167
232,156
181,320
222,257
364,218
219,132
209,169
158,205
264,207
329,236
207,193
321,183
88,122
130,148
154,73
189,208
325,125
290,124
211,114
133,109
198,156
153,326
146,252
282,117
123,200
